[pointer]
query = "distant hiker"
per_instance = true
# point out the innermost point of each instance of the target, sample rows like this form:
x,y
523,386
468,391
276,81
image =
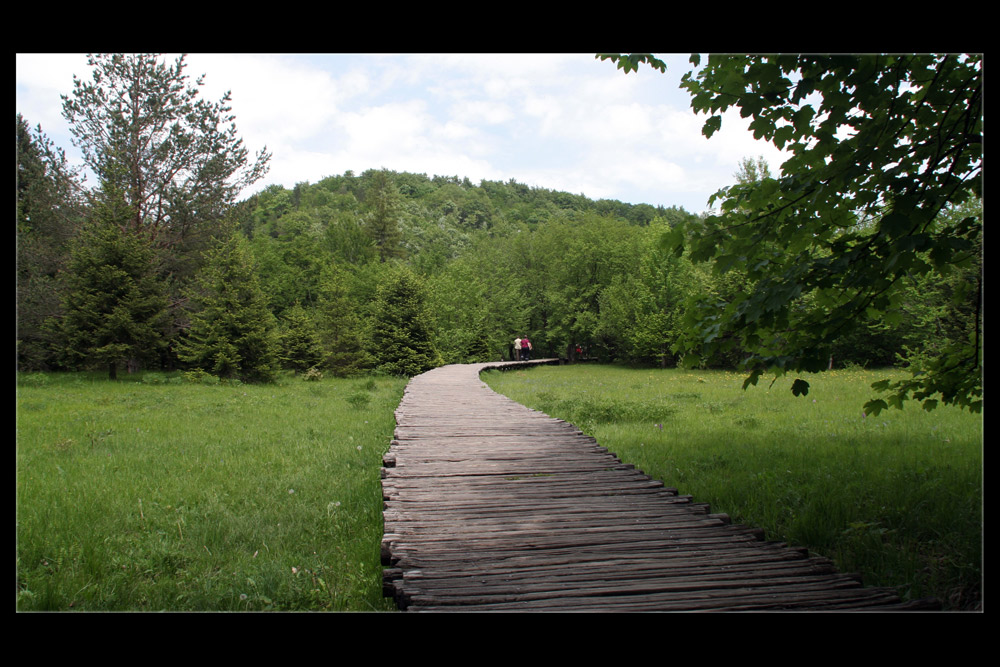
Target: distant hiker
x,y
525,349
517,349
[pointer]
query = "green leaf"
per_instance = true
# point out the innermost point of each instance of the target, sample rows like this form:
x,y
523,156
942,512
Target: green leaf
x,y
726,262
630,63
895,224
691,360
875,406
817,266
800,387
672,241
752,379
711,126
783,135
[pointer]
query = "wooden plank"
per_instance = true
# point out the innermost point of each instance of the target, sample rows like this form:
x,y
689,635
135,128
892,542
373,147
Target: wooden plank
x,y
490,506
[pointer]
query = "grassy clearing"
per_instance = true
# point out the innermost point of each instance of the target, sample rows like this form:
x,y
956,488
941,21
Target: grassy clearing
x,y
895,497
158,494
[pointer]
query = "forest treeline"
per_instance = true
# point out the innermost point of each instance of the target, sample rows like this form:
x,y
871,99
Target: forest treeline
x,y
385,271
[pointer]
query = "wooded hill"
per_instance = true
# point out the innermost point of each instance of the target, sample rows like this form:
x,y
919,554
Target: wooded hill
x,y
495,260
397,272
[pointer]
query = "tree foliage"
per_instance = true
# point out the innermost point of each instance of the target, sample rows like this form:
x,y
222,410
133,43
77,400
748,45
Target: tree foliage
x,y
641,312
115,305
290,261
402,330
177,158
882,148
487,262
382,220
49,211
232,334
299,343
577,259
339,325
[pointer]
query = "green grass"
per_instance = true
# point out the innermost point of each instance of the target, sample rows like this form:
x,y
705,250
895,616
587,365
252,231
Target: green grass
x,y
895,497
162,494
167,495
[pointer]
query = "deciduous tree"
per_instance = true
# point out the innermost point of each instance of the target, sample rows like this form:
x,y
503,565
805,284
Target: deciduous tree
x,y
881,146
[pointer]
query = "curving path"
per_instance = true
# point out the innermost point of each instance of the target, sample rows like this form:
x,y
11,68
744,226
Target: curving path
x,y
492,506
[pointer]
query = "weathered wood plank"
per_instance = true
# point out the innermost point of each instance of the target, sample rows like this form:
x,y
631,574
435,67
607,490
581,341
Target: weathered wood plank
x,y
490,506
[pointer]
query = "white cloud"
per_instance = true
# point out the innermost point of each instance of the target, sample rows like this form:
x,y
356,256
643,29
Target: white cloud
x,y
40,79
398,126
482,112
273,97
556,121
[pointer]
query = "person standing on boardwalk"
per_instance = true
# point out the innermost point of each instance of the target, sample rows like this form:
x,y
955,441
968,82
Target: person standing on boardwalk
x,y
517,349
525,349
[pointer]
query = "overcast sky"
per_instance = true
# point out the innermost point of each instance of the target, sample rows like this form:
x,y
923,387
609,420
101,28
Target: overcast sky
x,y
563,122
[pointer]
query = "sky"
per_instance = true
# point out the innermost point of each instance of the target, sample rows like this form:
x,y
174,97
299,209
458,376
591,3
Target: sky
x,y
559,121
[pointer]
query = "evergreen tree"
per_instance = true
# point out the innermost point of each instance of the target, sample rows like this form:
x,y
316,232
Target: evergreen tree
x,y
402,330
300,347
49,212
339,325
382,221
176,158
478,349
115,307
232,333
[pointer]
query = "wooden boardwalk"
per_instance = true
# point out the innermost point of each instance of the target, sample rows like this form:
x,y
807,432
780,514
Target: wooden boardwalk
x,y
491,506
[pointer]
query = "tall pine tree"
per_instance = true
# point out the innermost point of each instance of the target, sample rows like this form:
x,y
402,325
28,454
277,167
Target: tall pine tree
x,y
176,158
382,221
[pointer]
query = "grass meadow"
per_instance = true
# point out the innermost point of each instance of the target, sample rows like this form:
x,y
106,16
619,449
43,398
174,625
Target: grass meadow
x,y
153,493
896,497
